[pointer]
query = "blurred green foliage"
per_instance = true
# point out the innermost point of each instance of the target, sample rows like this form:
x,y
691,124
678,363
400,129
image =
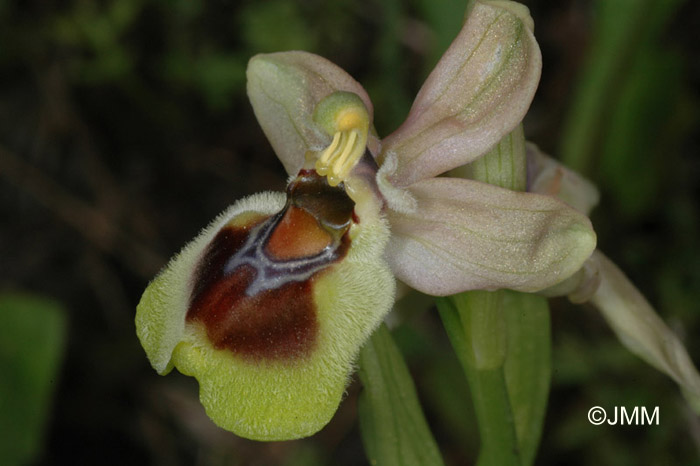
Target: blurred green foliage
x,y
135,111
629,106
32,340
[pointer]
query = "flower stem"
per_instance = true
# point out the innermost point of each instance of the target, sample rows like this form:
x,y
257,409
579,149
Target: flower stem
x,y
475,325
502,339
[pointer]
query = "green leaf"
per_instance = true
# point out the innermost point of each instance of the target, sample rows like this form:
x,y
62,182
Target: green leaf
x,y
32,338
393,428
527,367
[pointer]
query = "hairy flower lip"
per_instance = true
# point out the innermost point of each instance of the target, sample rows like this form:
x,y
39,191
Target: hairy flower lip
x,y
271,398
160,314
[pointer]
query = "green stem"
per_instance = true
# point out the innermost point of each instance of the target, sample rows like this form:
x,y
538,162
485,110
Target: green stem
x,y
475,325
502,339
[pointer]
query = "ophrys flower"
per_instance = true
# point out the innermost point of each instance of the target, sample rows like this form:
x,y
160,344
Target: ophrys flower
x,y
269,305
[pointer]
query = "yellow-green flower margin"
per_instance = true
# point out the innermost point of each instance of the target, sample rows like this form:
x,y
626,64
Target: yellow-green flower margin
x,y
272,400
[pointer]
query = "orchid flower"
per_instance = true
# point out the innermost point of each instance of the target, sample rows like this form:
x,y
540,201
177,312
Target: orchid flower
x,y
269,306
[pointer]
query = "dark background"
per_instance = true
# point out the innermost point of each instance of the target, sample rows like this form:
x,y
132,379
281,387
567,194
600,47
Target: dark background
x,y
125,128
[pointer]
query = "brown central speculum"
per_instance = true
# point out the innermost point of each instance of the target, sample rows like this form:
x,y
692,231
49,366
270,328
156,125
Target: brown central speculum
x,y
253,286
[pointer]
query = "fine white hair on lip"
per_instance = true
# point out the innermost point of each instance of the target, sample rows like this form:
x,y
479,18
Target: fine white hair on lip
x,y
160,315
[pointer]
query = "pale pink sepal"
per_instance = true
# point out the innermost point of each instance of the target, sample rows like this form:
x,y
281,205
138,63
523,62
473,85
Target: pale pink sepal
x,y
467,235
284,88
478,92
546,175
641,330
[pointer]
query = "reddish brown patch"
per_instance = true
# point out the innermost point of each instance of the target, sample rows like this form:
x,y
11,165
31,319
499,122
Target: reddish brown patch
x,y
297,235
272,316
275,324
